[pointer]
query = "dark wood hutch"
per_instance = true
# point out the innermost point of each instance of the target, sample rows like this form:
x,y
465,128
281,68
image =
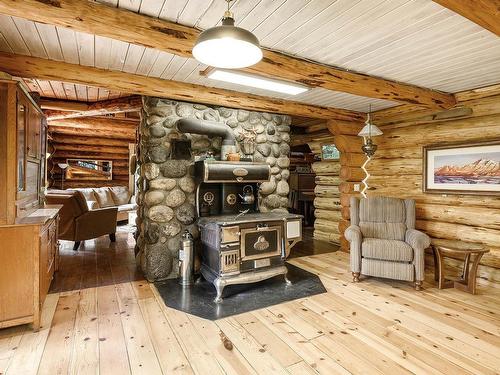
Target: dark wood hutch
x,y
28,229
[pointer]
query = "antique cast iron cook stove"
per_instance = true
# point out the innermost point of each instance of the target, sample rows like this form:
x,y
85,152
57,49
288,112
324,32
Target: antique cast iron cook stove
x,y
240,244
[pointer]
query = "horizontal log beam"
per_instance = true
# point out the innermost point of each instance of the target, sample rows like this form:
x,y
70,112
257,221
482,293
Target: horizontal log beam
x,y
337,127
54,184
34,67
326,167
86,155
472,103
473,216
63,105
105,107
348,143
315,128
326,191
332,215
315,146
354,174
485,13
327,203
117,163
394,167
102,123
326,226
94,18
352,159
328,237
466,233
302,139
97,133
328,180
89,148
81,140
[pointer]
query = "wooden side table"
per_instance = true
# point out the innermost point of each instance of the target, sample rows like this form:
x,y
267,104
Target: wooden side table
x,y
467,281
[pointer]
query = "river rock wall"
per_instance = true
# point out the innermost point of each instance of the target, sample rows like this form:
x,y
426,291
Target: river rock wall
x,y
166,187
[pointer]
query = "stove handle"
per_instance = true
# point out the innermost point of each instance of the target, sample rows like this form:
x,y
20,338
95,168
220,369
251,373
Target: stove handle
x,y
225,246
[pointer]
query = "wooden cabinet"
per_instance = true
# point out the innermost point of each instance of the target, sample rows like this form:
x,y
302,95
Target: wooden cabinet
x,y
49,253
22,148
33,139
28,231
28,254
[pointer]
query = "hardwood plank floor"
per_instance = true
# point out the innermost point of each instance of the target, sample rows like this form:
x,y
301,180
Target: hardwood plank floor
x,y
102,318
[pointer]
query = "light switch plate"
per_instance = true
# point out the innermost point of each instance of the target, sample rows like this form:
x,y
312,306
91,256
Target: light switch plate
x,y
356,187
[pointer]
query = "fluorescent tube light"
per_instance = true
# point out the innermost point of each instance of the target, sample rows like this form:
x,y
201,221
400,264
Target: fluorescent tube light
x,y
257,82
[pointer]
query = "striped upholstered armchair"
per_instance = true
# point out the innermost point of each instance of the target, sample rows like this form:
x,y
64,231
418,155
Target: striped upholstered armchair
x,y
384,241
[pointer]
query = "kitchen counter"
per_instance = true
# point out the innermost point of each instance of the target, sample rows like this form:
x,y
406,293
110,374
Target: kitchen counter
x,y
41,215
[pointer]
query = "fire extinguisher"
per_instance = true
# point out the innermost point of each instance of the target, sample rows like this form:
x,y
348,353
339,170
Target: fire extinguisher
x,y
186,259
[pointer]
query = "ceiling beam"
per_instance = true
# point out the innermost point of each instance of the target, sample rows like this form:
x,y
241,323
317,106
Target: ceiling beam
x,y
63,105
34,67
485,13
105,107
120,24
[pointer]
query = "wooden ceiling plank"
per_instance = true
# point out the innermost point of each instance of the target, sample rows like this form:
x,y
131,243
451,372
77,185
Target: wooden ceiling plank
x,y
31,67
167,36
485,13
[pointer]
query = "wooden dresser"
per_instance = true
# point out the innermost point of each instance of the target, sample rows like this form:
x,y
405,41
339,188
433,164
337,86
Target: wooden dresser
x,y
28,230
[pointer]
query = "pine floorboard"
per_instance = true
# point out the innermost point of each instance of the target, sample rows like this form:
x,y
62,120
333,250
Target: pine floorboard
x,y
103,318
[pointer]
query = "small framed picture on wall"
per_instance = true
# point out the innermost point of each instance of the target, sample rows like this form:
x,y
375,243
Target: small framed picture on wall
x,y
329,152
465,168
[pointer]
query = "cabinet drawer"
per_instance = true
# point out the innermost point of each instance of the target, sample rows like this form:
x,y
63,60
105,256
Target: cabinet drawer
x,y
48,242
52,230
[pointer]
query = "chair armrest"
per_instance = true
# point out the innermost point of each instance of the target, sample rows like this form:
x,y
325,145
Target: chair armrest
x,y
96,223
354,236
353,233
417,240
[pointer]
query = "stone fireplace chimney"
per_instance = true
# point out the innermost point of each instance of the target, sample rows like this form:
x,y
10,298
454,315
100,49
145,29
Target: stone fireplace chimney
x,y
166,188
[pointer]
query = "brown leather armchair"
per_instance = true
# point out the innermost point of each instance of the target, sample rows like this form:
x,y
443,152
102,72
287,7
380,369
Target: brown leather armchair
x,y
77,223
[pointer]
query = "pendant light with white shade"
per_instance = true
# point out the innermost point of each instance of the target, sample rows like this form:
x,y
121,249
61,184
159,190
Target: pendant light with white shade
x,y
227,46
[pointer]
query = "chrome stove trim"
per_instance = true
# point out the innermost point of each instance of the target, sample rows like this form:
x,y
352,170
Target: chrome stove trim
x,y
245,278
268,254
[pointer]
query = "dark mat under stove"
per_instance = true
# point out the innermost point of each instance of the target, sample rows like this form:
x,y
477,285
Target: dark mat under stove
x,y
199,299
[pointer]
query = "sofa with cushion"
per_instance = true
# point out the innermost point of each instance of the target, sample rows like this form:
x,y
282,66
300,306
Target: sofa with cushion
x,y
77,223
384,241
110,196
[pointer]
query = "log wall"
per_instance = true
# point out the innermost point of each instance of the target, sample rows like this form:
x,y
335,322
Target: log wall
x,y
99,138
396,170
350,173
327,201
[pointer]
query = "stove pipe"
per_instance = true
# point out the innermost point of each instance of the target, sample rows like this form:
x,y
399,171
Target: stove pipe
x,y
211,129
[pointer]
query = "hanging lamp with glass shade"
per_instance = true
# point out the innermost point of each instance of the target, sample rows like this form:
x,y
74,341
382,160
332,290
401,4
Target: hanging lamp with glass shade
x,y
369,130
227,46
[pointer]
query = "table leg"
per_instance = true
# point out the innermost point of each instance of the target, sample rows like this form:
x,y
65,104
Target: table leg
x,y
471,278
436,266
440,262
465,271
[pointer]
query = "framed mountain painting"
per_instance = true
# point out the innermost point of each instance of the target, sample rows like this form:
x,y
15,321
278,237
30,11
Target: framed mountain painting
x,y
472,168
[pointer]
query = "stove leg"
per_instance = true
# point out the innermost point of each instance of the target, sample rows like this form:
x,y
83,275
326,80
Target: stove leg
x,y
287,281
219,287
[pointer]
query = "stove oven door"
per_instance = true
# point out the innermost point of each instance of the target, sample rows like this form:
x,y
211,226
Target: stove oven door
x,y
261,241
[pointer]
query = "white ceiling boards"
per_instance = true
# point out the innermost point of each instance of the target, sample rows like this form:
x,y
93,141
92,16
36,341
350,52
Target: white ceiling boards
x,y
417,42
